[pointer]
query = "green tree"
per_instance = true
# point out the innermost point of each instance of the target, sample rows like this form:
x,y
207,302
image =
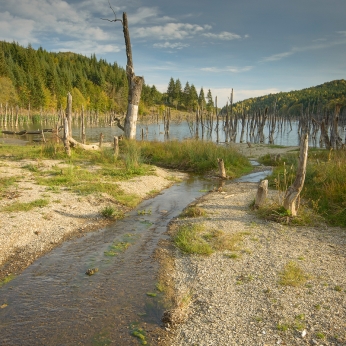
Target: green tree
x,y
170,90
201,99
177,93
210,102
186,96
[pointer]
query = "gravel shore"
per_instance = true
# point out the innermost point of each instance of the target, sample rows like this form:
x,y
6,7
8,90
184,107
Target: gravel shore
x,y
236,297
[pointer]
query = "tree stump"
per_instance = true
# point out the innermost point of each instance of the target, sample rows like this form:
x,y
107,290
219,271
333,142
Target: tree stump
x,y
262,193
222,171
291,199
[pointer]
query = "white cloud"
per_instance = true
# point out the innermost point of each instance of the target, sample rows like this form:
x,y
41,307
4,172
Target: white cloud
x,y
227,69
226,36
170,31
318,44
86,47
170,45
59,26
145,15
276,57
17,29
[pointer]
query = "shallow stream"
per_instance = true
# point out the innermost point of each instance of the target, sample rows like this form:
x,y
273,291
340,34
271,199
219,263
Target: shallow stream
x,y
54,302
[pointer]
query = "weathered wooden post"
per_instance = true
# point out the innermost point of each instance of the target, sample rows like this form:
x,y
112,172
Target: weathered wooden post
x,y
83,127
222,171
262,193
291,199
69,112
116,147
101,139
66,137
67,120
217,122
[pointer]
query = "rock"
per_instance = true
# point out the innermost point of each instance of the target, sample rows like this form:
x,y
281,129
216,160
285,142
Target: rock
x,y
91,271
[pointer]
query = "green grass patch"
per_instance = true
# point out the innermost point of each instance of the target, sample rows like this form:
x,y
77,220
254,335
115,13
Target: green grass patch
x,y
195,239
292,275
138,333
283,327
6,182
7,279
325,183
151,294
193,211
17,206
108,212
194,155
116,248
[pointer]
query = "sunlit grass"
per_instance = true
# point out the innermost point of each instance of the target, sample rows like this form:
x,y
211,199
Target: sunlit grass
x,y
292,275
196,239
18,206
193,155
325,183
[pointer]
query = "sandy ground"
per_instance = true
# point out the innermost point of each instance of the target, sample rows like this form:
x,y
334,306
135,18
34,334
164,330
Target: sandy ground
x,y
27,235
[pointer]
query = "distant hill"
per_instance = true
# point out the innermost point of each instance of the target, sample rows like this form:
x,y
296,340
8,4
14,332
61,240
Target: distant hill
x,y
316,99
40,79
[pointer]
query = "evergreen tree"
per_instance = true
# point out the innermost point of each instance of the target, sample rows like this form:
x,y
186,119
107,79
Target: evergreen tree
x,y
210,102
193,98
170,90
177,93
201,99
186,96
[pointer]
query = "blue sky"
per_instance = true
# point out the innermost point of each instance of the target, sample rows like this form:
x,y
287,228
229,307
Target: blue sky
x,y
255,47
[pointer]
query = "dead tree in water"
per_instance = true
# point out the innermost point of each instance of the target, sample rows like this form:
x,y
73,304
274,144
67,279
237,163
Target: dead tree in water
x,y
292,195
135,83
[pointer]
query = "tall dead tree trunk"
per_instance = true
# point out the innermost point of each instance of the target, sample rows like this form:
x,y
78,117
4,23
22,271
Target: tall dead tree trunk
x,y
135,87
291,199
135,83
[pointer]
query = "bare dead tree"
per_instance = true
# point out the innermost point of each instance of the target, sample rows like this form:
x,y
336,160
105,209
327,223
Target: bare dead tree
x,y
135,82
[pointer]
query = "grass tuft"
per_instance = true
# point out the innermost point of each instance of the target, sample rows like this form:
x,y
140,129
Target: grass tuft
x,y
195,239
17,206
193,211
292,275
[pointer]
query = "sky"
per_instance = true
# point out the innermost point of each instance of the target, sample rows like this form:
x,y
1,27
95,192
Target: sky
x,y
256,47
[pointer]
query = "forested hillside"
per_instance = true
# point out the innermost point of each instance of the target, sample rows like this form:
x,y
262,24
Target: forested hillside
x,y
37,78
319,98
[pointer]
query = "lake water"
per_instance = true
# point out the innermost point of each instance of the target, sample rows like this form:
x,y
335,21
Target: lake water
x,y
286,135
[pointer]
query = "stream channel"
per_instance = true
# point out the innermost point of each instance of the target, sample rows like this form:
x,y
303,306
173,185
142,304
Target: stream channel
x,y
54,302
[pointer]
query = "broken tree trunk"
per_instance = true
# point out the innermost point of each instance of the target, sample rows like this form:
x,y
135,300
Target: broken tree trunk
x,y
291,199
222,171
135,87
66,138
262,193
